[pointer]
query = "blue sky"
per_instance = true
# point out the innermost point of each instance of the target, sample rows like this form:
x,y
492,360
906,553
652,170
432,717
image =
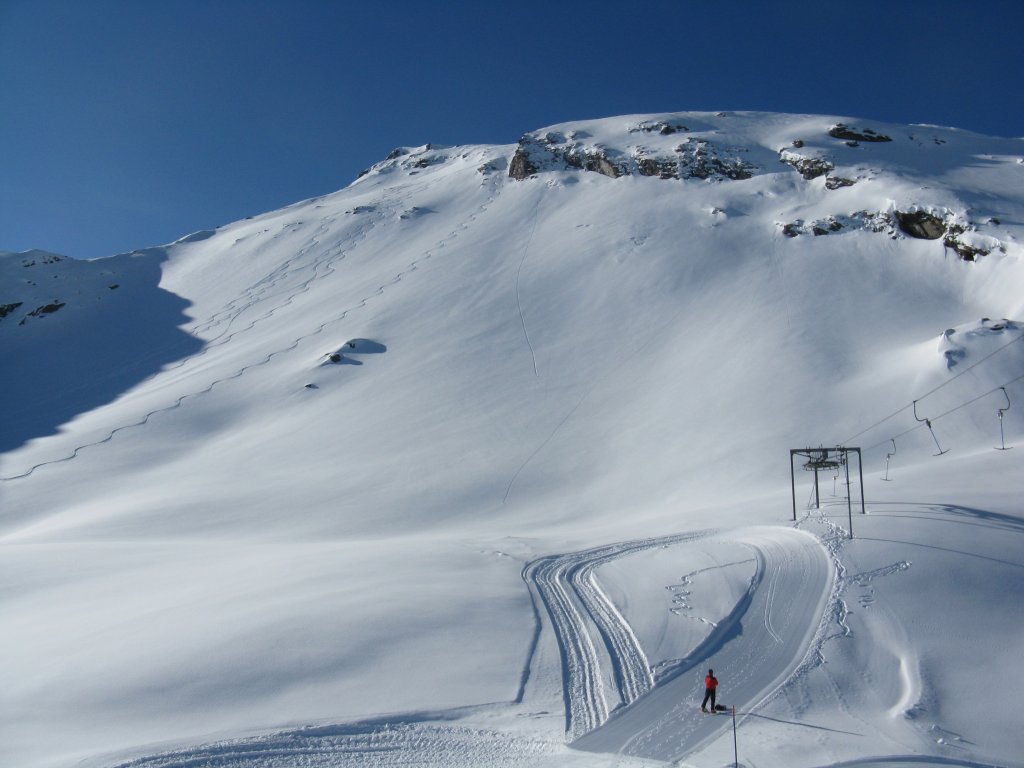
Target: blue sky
x,y
130,124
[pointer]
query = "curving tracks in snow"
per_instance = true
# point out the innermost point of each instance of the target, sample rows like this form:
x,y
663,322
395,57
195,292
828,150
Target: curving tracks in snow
x,y
277,290
567,587
756,648
613,703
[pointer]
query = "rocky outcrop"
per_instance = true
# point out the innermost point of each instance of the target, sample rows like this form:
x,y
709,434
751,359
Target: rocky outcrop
x,y
871,221
45,309
555,151
6,309
813,167
921,224
838,182
807,166
841,131
954,234
410,159
955,241
521,167
692,159
964,239
659,126
703,160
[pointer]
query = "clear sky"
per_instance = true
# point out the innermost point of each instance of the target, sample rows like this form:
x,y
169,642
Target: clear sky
x,y
125,124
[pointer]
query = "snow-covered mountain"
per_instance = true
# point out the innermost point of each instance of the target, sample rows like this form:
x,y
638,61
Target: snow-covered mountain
x,y
486,454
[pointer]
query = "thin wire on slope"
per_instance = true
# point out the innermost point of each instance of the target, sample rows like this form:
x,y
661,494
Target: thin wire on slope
x,y
932,392
933,419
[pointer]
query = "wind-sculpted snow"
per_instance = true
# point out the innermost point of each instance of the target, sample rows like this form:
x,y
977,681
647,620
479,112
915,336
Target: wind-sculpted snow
x,y
759,644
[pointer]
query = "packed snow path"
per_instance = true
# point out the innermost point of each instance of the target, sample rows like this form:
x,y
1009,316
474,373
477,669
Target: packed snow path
x,y
759,645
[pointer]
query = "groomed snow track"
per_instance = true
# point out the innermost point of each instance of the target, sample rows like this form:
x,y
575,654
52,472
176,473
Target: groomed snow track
x,y
762,641
566,586
756,648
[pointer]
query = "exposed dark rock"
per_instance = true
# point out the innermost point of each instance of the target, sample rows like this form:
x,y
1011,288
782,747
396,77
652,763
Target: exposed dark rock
x,y
836,182
703,160
864,220
46,309
737,170
520,166
43,258
916,224
808,167
601,164
6,309
575,158
665,129
665,169
963,250
693,159
841,131
921,225
798,143
826,227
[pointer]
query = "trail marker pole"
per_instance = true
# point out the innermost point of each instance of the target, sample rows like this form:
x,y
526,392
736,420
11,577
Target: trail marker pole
x,y
735,750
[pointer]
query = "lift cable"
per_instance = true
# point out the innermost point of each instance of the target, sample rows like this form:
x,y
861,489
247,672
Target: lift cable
x,y
933,391
946,413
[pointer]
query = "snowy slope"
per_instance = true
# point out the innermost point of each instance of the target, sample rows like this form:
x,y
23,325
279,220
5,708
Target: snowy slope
x,y
446,444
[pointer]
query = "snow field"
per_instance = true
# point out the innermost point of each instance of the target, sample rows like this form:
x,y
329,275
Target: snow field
x,y
586,381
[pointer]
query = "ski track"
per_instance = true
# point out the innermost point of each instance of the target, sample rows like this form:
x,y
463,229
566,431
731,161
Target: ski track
x,y
583,691
651,720
662,721
377,744
567,587
519,272
334,256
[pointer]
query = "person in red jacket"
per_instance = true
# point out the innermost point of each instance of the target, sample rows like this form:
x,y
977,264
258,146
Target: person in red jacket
x,y
710,684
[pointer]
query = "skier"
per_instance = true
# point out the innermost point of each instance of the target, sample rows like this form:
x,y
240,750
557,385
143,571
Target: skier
x,y
710,684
